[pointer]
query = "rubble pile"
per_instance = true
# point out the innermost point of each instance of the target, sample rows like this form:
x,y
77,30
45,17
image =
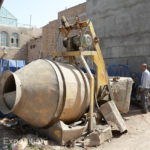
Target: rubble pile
x,y
17,135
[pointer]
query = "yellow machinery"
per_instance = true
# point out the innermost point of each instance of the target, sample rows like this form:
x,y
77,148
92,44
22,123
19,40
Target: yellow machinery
x,y
95,55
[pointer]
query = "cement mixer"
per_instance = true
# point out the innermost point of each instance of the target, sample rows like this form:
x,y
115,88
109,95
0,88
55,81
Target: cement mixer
x,y
52,95
46,91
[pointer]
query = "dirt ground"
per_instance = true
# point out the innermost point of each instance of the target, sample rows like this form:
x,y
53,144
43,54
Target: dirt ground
x,y
137,138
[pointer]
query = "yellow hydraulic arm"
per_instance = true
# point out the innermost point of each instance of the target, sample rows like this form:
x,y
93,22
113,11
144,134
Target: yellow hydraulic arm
x,y
95,55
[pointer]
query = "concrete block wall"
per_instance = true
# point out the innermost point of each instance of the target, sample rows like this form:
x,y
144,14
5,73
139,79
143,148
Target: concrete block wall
x,y
123,27
49,38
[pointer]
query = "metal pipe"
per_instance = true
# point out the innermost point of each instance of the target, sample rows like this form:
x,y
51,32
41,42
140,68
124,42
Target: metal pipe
x,y
91,91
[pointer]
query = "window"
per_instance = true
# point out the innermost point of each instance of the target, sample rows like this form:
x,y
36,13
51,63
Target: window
x,y
32,46
3,39
12,40
15,40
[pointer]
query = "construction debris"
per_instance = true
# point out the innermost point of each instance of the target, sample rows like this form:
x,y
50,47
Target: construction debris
x,y
112,116
121,89
18,136
9,122
21,145
63,133
98,137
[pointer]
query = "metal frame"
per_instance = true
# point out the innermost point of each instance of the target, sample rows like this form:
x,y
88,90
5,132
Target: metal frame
x,y
96,57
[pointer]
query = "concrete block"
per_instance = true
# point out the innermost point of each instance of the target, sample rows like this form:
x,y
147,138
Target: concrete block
x,y
112,116
62,133
99,136
121,90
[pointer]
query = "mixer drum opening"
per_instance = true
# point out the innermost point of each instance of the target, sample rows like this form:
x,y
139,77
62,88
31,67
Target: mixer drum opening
x,y
9,93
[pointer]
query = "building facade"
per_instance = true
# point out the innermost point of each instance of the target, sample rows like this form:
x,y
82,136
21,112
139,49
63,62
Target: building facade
x,y
49,38
34,49
40,44
13,41
124,30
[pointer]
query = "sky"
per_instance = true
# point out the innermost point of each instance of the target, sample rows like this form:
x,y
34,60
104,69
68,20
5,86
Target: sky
x,y
42,11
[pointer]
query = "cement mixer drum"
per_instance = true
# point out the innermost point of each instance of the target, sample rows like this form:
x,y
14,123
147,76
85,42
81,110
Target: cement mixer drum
x,y
44,91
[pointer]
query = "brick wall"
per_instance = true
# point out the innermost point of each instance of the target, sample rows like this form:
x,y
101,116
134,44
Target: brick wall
x,y
34,49
80,11
49,40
